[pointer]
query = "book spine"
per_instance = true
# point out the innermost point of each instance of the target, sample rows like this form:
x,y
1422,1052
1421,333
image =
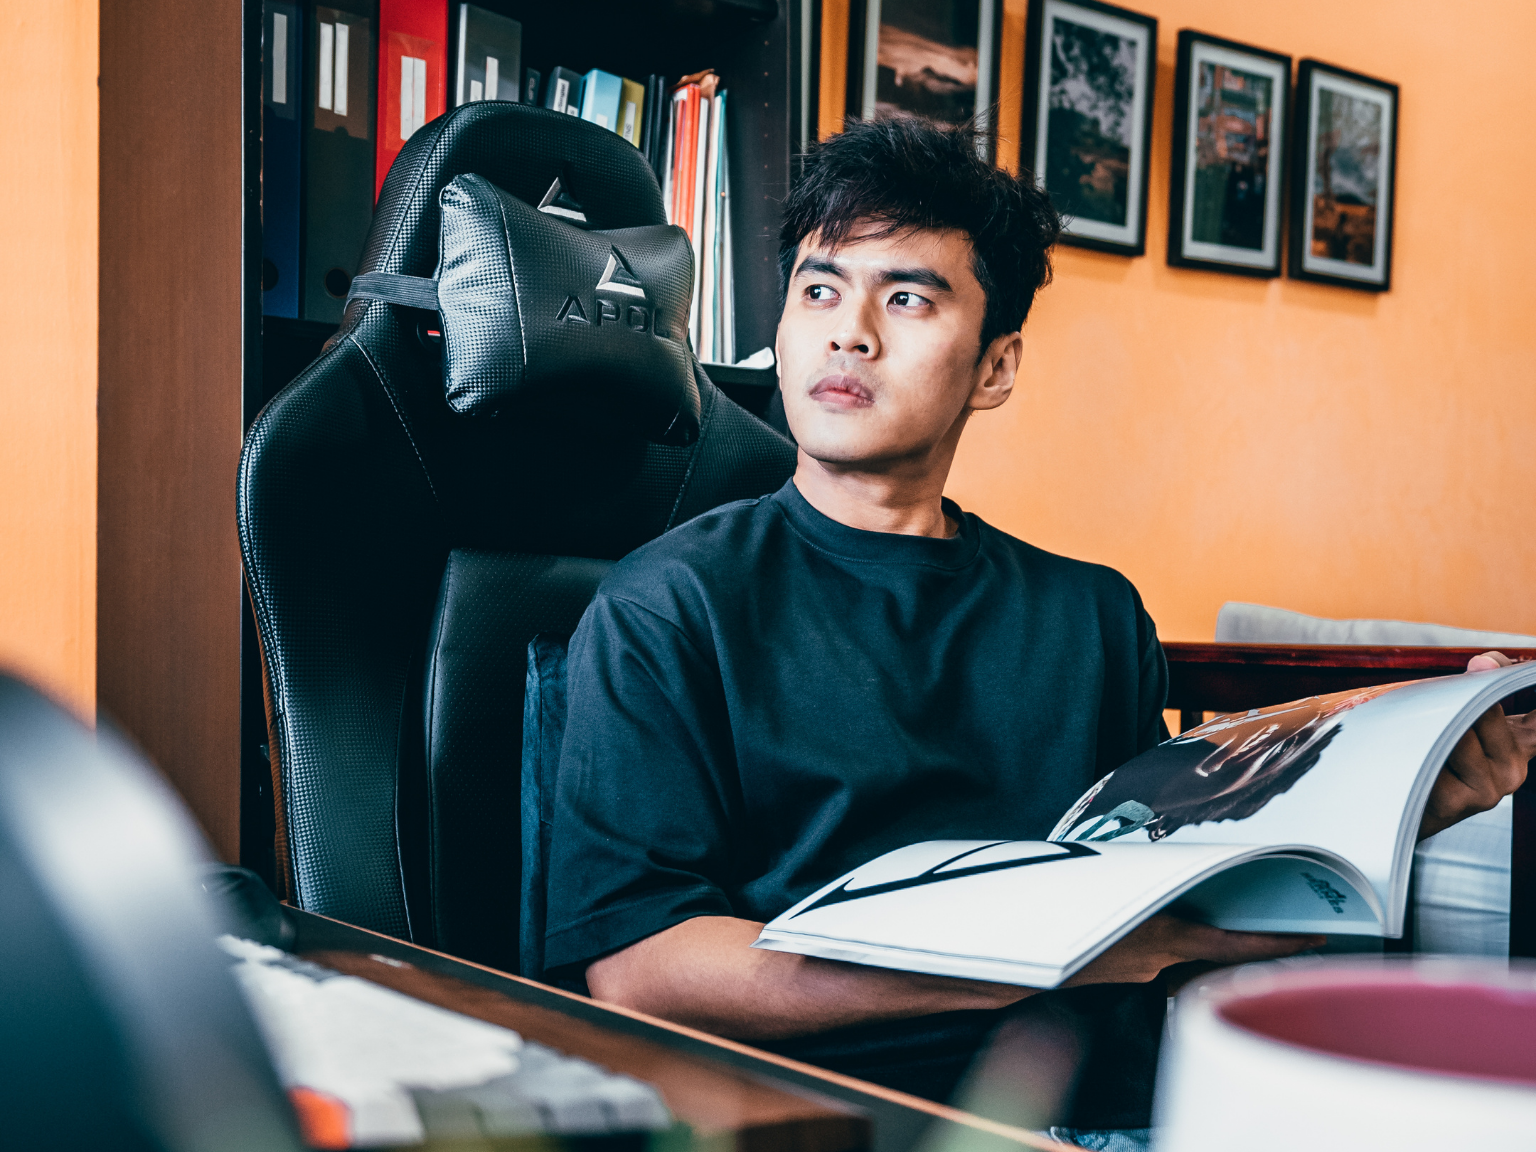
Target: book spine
x,y
563,92
413,74
282,148
647,118
669,151
725,331
696,206
340,140
660,127
686,169
631,111
489,58
600,99
709,281
461,57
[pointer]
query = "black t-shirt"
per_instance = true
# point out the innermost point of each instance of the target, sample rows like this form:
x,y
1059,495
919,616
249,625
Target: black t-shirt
x,y
763,699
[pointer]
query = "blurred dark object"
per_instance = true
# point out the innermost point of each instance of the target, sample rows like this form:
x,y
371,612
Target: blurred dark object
x,y
122,1025
247,906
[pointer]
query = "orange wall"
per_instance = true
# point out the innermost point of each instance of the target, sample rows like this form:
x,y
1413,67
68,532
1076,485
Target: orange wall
x,y
48,199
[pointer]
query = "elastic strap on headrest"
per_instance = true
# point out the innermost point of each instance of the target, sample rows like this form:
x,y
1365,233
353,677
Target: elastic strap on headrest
x,y
395,288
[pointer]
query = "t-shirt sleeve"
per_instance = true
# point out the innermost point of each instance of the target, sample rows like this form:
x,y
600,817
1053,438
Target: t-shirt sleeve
x,y
643,804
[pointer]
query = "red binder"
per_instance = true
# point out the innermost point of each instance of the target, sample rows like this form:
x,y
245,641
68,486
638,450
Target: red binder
x,y
413,74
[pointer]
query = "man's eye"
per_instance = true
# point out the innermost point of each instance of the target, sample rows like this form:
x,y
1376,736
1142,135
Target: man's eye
x,y
908,300
820,292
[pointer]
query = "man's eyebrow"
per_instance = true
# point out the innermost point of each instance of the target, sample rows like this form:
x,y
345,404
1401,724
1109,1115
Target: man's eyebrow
x,y
925,277
820,266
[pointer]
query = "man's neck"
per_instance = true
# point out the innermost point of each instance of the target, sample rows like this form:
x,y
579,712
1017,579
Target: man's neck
x,y
876,501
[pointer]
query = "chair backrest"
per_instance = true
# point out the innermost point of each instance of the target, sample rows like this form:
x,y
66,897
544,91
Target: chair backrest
x,y
400,557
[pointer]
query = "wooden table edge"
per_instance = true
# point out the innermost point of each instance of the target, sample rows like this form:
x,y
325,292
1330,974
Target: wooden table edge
x,y
916,1103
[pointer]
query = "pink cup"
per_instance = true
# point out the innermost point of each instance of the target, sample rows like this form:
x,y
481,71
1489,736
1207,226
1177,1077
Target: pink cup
x,y
1423,1052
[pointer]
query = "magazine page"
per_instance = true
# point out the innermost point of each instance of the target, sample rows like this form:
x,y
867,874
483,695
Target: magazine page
x,y
1033,912
1348,772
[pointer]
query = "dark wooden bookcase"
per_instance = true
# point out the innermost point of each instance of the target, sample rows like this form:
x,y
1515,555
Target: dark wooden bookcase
x,y
755,46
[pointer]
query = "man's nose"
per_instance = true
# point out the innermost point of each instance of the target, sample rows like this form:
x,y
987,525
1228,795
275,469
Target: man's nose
x,y
855,333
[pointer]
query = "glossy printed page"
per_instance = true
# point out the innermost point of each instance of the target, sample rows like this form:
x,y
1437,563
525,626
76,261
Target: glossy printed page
x,y
1347,772
1032,912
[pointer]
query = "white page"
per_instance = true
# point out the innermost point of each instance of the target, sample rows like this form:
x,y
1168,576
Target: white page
x,y
1030,912
1377,753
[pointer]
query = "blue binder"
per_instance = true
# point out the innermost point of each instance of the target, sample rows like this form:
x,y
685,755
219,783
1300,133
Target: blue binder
x,y
600,99
281,178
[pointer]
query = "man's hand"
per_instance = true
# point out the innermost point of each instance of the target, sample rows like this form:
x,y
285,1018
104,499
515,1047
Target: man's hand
x,y
1487,764
1164,941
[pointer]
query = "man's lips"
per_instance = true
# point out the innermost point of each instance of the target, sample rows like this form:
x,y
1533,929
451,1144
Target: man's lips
x,y
843,391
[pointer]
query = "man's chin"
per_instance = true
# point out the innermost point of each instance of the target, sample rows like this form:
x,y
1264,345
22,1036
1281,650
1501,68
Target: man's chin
x,y
845,453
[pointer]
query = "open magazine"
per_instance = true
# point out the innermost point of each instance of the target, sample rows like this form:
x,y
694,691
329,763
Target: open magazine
x,y
1301,817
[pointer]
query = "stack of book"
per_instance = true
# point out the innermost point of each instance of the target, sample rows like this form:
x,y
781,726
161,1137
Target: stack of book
x,y
696,187
346,85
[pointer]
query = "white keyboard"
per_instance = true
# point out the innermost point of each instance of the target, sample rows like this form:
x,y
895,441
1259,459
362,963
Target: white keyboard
x,y
396,1070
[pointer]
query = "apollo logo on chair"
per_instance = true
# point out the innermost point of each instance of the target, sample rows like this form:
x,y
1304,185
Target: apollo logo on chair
x,y
620,280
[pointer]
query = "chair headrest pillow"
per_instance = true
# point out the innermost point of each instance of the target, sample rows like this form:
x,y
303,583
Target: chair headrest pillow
x,y
533,305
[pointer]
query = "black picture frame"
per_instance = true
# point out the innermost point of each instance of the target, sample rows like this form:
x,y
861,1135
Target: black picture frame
x,y
1228,176
1343,178
1120,223
864,74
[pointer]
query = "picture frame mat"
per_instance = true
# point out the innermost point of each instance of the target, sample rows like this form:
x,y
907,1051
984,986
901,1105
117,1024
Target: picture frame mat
x,y
1205,52
1130,232
1376,272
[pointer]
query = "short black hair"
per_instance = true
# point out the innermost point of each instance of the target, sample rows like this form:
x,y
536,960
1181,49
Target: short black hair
x,y
903,172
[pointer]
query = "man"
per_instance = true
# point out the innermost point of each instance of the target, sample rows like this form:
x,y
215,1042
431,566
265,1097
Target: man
x,y
784,688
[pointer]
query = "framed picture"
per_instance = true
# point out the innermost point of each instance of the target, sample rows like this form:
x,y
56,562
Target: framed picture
x,y
933,58
1088,78
1344,181
1230,127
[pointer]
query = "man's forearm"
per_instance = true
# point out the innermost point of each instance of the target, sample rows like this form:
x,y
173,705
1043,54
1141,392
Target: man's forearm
x,y
704,973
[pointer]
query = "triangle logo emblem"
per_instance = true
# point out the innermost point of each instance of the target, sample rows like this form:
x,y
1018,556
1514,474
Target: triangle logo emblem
x,y
619,277
558,202
571,312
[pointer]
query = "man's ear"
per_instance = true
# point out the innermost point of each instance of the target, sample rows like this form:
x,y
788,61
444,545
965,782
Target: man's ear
x,y
996,372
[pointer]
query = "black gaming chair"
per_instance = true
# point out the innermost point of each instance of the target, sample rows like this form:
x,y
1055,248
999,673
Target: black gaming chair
x,y
400,557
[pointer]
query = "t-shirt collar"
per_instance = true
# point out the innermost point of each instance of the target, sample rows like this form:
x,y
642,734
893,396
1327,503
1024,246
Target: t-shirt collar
x,y
839,539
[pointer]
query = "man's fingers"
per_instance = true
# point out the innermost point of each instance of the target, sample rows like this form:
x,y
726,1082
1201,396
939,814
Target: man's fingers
x,y
1495,735
1506,758
1524,729
1487,764
1488,661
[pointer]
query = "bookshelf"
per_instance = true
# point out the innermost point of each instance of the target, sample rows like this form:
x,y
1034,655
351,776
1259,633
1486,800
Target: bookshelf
x,y
759,49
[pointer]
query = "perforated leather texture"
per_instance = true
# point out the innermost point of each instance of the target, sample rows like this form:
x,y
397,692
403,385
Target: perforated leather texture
x,y
532,303
392,550
489,606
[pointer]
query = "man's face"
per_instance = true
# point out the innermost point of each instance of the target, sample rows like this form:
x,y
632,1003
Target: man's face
x,y
878,347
